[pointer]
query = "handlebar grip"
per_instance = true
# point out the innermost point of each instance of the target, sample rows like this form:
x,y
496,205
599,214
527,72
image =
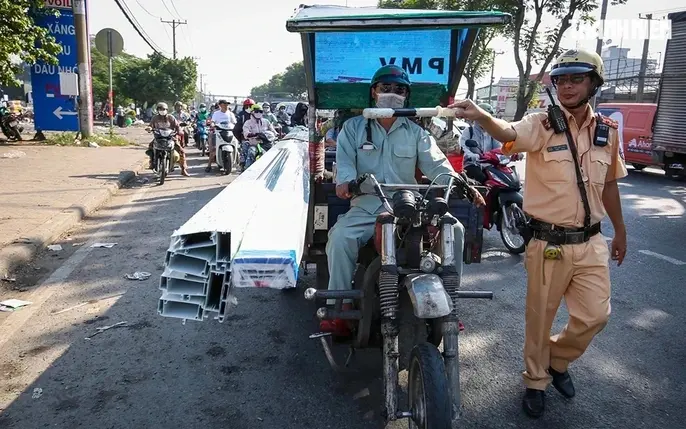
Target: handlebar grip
x,y
354,187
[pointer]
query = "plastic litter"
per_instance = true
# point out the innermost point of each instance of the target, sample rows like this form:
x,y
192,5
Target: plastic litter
x,y
13,304
55,247
103,245
105,328
37,393
138,275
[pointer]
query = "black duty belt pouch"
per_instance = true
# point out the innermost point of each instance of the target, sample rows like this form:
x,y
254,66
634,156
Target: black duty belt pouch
x,y
559,236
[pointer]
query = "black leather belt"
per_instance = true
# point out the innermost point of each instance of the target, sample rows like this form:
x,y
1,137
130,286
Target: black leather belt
x,y
559,235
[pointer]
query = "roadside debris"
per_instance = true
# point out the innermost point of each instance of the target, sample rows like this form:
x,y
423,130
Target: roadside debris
x,y
103,245
37,393
13,154
105,328
92,301
93,144
13,304
138,275
78,244
55,247
8,279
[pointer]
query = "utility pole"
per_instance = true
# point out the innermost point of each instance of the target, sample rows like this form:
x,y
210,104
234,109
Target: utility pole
x,y
599,42
490,87
644,61
174,23
82,48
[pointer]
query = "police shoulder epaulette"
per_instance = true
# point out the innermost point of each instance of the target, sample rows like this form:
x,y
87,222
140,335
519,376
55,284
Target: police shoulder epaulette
x,y
546,123
608,121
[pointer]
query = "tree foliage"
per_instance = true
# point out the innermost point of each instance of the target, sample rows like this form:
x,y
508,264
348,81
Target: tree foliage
x,y
100,75
21,40
535,44
290,82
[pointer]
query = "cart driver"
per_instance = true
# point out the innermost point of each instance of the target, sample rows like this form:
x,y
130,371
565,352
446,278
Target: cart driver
x,y
396,148
567,256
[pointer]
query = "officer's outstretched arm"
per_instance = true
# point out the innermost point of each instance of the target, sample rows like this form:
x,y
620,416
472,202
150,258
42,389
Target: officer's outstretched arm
x,y
346,155
529,134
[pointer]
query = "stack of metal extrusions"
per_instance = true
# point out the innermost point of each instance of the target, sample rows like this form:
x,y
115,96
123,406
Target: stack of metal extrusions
x,y
197,281
272,245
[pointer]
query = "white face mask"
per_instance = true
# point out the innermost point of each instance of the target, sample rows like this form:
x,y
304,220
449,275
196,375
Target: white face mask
x,y
257,115
389,100
162,112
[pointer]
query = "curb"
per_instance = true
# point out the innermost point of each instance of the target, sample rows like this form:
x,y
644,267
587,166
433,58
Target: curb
x,y
16,254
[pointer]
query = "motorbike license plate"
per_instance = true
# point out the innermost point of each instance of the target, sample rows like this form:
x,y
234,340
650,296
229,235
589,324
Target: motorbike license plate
x,y
13,124
677,166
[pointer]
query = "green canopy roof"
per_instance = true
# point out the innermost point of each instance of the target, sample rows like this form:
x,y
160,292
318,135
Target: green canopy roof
x,y
340,18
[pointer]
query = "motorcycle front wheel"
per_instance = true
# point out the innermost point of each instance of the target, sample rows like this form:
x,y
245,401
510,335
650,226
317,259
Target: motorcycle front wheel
x,y
227,162
161,168
428,390
512,238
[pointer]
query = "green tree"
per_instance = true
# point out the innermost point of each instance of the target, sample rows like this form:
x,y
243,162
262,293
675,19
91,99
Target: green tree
x,y
158,78
537,45
480,59
291,82
21,40
101,79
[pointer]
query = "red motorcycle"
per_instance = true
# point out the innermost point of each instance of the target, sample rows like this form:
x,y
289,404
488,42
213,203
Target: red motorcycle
x,y
503,199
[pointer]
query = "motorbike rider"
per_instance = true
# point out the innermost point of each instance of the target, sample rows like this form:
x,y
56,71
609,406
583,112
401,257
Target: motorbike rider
x,y
164,120
398,147
470,162
219,116
241,117
300,115
282,116
571,184
252,127
201,117
182,115
268,115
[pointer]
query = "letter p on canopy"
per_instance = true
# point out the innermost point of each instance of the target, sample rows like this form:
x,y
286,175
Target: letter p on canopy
x,y
437,64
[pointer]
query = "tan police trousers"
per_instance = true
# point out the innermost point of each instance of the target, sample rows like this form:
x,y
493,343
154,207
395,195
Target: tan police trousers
x,y
582,277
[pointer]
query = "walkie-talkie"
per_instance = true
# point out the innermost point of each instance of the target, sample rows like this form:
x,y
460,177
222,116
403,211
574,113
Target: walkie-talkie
x,y
555,115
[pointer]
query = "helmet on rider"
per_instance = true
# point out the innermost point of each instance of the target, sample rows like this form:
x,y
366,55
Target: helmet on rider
x,y
247,103
202,107
487,107
178,105
574,66
390,87
162,108
256,110
266,107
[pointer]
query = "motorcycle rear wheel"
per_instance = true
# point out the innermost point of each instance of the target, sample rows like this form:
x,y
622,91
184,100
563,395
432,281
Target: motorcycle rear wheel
x,y
428,390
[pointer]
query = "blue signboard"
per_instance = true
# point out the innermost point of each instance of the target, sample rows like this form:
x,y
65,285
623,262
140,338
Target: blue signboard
x,y
354,57
52,110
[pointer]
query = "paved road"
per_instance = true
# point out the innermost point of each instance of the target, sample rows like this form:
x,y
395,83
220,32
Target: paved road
x,y
259,370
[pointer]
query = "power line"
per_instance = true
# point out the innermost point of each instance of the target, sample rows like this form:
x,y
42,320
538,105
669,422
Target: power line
x,y
165,6
136,26
175,10
146,10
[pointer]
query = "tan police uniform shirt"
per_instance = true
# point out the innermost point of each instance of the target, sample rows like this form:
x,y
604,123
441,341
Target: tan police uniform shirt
x,y
551,193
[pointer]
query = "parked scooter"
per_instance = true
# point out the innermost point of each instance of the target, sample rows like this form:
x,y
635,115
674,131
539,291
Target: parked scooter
x,y
503,200
164,155
9,123
226,147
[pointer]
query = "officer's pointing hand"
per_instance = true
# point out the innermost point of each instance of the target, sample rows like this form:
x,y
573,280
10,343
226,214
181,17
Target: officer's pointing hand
x,y
467,109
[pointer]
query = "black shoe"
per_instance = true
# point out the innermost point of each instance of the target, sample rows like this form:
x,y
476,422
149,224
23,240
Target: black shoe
x,y
208,169
562,381
534,403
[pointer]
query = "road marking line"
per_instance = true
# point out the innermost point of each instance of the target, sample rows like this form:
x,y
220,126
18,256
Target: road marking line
x,y
45,290
663,257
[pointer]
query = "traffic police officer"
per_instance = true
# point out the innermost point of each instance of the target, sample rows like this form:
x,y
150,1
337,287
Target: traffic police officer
x,y
573,164
391,149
